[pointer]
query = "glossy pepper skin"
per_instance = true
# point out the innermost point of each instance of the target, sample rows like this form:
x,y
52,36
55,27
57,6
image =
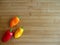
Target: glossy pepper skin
x,y
18,32
7,36
15,20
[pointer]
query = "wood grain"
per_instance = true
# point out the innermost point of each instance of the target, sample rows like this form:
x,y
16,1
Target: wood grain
x,y
40,18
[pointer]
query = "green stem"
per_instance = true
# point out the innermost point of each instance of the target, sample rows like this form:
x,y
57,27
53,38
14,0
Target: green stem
x,y
21,26
10,30
19,17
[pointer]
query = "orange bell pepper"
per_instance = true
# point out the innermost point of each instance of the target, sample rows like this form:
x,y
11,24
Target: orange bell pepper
x,y
15,20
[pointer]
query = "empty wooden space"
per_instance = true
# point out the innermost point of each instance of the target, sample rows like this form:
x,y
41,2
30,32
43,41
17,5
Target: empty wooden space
x,y
40,18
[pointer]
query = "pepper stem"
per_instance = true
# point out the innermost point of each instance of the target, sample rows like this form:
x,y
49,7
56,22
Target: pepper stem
x,y
21,26
19,17
10,30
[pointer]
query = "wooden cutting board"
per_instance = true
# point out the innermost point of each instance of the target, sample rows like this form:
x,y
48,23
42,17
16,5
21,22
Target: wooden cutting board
x,y
40,18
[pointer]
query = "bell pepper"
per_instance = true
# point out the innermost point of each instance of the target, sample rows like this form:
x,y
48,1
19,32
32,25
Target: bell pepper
x,y
15,20
7,36
18,32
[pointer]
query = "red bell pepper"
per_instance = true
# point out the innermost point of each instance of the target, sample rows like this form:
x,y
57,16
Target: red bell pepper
x,y
7,36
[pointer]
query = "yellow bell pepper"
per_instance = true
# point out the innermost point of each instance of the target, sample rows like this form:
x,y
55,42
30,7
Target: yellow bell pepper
x,y
18,32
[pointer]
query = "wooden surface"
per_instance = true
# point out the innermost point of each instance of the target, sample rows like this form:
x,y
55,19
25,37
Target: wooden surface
x,y
40,18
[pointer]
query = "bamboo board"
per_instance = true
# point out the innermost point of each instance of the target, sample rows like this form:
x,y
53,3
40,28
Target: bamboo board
x,y
40,18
